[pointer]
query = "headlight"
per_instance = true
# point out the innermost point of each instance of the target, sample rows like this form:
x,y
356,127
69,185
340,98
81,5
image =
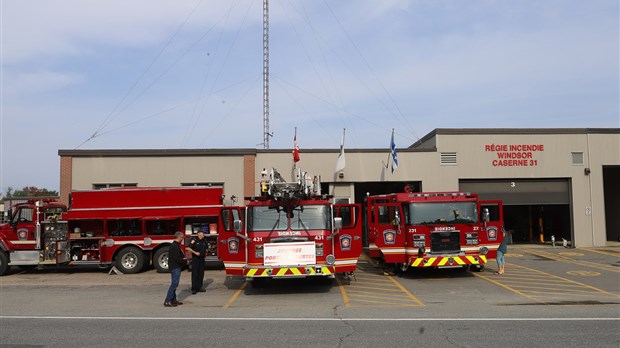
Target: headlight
x,y
319,249
258,251
471,238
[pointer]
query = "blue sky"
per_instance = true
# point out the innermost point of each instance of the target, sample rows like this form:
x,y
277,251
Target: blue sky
x,y
188,74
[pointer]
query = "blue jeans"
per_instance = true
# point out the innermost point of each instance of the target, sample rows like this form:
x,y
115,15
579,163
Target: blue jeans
x,y
175,275
500,258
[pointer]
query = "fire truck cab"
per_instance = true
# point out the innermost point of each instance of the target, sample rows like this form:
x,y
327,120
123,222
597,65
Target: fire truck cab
x,y
433,229
127,228
290,231
22,238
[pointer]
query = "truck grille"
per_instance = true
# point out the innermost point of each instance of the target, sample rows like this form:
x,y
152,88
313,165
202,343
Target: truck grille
x,y
446,242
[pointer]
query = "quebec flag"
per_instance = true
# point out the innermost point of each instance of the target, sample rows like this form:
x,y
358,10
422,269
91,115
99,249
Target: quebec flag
x,y
393,152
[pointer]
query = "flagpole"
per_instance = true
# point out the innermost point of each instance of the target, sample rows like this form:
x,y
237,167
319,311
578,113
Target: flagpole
x,y
340,163
387,163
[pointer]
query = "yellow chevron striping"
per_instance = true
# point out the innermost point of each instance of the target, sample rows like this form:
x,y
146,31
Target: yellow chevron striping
x,y
459,261
251,272
296,271
443,261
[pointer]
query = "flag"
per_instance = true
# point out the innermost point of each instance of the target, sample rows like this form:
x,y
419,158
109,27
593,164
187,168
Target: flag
x,y
341,163
295,148
393,152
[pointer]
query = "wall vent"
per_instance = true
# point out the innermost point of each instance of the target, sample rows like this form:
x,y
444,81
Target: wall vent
x,y
448,158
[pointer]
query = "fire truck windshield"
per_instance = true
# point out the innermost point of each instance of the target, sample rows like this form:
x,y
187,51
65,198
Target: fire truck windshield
x,y
441,213
306,217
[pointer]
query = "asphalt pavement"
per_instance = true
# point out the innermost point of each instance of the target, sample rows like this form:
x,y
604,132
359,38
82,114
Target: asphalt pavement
x,y
553,297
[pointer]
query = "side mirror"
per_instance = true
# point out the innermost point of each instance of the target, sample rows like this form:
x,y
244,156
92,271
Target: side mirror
x,y
237,226
338,223
396,220
486,216
9,215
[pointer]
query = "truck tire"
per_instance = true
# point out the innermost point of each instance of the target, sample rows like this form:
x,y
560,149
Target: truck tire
x,y
130,260
476,268
160,260
4,263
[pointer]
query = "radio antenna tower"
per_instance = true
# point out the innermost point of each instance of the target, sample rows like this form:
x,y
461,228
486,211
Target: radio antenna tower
x,y
266,133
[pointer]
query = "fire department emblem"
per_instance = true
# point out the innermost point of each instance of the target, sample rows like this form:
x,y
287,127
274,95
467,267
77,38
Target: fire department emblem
x,y
389,236
22,234
345,242
492,233
233,245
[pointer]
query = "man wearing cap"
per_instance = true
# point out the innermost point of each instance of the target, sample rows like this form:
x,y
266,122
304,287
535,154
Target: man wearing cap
x,y
198,247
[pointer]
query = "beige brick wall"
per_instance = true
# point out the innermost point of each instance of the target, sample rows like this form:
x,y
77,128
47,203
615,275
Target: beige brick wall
x,y
249,163
66,178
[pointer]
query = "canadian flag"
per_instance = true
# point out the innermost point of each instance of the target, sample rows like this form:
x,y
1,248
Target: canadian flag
x,y
295,148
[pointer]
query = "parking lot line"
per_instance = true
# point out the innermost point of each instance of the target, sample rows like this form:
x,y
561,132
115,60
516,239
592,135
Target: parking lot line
x,y
235,295
604,252
544,287
566,259
371,288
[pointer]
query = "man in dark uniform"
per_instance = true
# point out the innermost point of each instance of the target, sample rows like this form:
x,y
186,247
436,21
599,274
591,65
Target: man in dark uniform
x,y
198,247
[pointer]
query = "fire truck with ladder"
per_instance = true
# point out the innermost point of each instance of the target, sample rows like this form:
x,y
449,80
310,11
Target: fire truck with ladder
x,y
433,229
128,228
290,231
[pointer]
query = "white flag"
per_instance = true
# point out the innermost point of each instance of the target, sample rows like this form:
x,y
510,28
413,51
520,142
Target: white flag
x,y
341,162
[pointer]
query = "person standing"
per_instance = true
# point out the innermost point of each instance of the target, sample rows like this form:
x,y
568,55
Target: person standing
x,y
198,248
175,264
501,251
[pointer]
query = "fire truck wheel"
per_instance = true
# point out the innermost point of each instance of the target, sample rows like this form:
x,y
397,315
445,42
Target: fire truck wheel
x,y
130,260
160,260
476,268
4,263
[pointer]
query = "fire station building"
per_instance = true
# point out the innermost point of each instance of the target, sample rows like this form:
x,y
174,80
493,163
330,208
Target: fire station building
x,y
553,182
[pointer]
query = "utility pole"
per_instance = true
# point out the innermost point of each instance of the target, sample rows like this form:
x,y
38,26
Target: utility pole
x,y
266,133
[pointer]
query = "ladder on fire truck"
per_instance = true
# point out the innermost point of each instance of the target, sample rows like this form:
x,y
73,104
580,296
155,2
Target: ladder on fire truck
x,y
274,186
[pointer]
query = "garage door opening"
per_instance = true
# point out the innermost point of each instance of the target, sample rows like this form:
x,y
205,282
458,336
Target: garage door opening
x,y
611,187
534,209
537,223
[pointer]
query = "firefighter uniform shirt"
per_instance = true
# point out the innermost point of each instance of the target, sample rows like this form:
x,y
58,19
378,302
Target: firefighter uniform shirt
x,y
199,245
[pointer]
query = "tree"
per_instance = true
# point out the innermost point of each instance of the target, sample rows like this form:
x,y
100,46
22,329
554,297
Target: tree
x,y
29,191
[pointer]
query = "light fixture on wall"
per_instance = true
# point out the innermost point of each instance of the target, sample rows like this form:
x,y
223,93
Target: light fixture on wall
x,y
341,174
586,171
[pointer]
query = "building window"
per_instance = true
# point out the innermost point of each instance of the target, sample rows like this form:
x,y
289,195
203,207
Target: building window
x,y
448,158
207,184
577,158
104,186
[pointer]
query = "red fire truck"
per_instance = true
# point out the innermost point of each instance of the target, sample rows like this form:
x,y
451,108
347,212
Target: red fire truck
x,y
127,228
433,229
290,231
